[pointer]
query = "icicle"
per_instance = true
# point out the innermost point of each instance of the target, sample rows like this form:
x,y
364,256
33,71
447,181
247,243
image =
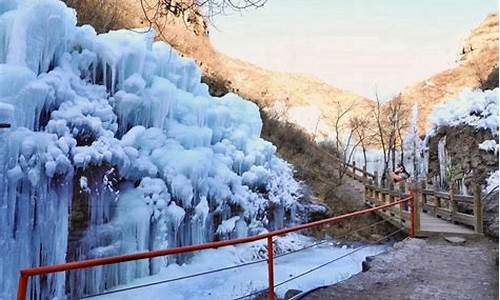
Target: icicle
x,y
443,161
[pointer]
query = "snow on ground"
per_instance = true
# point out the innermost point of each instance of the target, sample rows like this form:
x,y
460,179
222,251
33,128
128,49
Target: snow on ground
x,y
238,282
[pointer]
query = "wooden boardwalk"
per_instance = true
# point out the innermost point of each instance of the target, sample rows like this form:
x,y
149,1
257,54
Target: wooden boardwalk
x,y
430,225
437,212
430,219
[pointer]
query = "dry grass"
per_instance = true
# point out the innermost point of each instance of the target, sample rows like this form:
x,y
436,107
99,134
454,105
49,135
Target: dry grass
x,y
313,162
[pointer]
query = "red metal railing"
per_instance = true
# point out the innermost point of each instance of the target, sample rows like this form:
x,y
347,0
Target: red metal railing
x,y
37,271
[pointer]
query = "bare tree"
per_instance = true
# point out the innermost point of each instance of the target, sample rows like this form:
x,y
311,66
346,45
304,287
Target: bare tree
x,y
157,10
345,132
360,126
338,124
398,122
381,131
391,119
316,126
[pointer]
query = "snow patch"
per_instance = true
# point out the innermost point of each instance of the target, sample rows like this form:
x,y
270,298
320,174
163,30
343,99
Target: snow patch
x,y
489,145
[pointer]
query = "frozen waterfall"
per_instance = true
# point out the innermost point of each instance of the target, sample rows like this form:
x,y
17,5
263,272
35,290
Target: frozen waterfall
x,y
117,147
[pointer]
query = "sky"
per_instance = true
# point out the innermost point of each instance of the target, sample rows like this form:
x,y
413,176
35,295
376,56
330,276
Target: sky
x,y
357,45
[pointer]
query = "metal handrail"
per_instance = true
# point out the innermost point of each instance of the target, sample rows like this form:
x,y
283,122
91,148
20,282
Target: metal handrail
x,y
25,274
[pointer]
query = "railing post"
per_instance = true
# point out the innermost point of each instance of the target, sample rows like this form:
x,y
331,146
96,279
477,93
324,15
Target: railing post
x,y
367,193
417,204
375,174
478,209
270,268
22,287
412,214
453,204
435,198
365,176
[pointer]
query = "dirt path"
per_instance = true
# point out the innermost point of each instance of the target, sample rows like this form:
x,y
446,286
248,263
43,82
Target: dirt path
x,y
424,269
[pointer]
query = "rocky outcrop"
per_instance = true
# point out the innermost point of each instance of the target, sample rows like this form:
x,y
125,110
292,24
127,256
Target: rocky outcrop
x,y
463,152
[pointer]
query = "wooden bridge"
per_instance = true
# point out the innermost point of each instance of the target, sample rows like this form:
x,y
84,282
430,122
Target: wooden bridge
x,y
437,212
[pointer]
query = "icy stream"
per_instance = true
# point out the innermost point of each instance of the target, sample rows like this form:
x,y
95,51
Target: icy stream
x,y
236,283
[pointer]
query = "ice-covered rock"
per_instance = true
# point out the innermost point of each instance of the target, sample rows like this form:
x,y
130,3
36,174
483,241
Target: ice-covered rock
x,y
473,108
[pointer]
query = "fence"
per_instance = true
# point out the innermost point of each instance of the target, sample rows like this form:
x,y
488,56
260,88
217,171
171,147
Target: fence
x,y
461,209
399,216
43,270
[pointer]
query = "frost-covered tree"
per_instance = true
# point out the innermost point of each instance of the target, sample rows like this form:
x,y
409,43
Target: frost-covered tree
x,y
412,145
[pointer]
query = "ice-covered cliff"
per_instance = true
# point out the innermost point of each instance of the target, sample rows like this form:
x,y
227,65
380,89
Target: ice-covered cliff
x,y
464,136
117,147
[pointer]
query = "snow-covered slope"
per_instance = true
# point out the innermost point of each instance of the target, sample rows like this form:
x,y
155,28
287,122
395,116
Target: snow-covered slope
x,y
117,147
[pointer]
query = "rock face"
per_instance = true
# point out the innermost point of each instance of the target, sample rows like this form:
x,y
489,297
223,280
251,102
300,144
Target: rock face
x,y
477,68
463,151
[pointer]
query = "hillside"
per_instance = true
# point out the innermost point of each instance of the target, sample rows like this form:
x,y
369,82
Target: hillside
x,y
304,99
477,66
